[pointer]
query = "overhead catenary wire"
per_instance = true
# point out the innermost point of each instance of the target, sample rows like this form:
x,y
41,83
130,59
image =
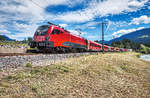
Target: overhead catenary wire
x,y
37,4
79,31
47,1
107,26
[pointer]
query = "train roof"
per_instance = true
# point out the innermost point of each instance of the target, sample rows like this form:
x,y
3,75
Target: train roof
x,y
95,43
68,31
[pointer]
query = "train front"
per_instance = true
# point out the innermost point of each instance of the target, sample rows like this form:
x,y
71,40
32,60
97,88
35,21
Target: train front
x,y
41,38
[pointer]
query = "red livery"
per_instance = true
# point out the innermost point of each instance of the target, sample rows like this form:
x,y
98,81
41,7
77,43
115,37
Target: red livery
x,y
54,38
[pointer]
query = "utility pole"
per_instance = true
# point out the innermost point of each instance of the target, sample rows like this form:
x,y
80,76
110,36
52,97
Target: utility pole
x,y
103,23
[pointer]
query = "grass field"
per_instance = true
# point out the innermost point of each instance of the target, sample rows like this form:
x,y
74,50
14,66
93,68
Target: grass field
x,y
117,75
13,43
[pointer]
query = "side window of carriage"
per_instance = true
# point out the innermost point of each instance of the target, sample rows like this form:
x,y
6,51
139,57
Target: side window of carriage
x,y
61,32
55,31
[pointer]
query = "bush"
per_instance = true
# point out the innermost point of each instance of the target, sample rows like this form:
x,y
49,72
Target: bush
x,y
144,49
63,68
35,88
4,84
1,70
29,65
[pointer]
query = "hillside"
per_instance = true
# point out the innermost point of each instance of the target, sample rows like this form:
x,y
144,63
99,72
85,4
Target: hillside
x,y
4,37
140,36
117,75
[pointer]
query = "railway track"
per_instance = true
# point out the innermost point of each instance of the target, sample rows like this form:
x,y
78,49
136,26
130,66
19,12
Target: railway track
x,y
24,54
16,54
11,61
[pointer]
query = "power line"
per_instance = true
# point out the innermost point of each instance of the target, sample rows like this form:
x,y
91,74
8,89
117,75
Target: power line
x,y
37,4
79,31
47,1
106,24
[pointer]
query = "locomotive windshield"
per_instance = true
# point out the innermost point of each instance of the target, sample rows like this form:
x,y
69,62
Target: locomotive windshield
x,y
42,30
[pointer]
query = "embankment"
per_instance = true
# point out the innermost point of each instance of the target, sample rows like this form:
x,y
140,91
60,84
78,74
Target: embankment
x,y
118,75
10,49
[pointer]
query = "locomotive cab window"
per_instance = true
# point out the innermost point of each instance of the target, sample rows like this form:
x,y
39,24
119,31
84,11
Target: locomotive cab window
x,y
55,31
42,30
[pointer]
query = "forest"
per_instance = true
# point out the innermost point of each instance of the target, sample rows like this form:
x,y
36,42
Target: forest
x,y
138,47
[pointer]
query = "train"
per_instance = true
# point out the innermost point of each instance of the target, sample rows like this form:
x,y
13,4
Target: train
x,y
54,38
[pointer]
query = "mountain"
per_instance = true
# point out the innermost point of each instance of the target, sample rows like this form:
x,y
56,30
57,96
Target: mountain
x,y
140,36
106,42
4,37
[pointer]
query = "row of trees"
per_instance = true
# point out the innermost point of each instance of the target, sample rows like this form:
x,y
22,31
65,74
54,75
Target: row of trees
x,y
5,41
2,38
27,40
24,41
126,43
144,49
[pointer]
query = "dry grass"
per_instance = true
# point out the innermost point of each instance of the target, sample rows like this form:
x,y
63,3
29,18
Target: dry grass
x,y
118,75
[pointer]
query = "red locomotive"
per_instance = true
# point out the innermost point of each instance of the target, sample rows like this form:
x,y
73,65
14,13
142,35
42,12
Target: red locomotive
x,y
52,37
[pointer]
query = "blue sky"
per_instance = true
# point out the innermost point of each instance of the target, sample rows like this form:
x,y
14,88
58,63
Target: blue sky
x,y
20,18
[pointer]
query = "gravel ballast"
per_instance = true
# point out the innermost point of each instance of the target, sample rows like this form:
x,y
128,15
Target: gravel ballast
x,y
36,60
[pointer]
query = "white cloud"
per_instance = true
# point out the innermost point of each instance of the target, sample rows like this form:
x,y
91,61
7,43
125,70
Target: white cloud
x,y
89,25
55,2
23,31
21,10
78,16
100,9
149,7
74,32
135,3
92,37
63,25
34,11
113,26
77,32
142,19
92,27
31,12
4,32
123,31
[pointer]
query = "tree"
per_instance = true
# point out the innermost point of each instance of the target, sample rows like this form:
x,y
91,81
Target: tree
x,y
144,49
29,39
96,41
2,38
126,43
